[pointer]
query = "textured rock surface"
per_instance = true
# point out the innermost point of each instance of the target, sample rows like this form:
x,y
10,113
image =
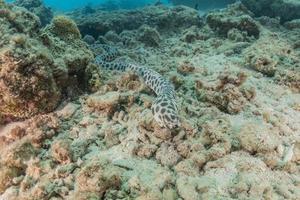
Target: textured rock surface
x,y
275,56
285,9
234,17
161,17
38,8
26,80
36,65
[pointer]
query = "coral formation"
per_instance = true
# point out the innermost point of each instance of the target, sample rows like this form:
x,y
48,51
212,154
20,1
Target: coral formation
x,y
38,8
95,178
285,9
234,17
37,64
89,39
64,28
293,24
26,77
228,94
149,36
274,56
161,17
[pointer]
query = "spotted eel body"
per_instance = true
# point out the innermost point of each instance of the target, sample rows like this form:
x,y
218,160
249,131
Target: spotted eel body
x,y
164,108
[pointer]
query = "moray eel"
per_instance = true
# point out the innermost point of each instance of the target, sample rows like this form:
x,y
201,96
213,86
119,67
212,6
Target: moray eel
x,y
164,108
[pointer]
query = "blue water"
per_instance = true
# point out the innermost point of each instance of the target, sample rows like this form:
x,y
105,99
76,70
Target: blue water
x,y
66,5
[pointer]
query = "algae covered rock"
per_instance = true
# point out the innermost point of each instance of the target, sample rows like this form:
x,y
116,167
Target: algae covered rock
x,y
293,24
27,84
64,28
38,8
6,177
270,54
35,63
285,9
95,178
163,18
235,16
63,39
149,36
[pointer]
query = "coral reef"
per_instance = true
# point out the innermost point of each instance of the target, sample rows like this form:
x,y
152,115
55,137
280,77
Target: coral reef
x,y
285,9
38,8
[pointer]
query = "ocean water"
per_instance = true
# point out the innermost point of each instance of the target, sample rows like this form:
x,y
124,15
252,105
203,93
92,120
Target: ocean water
x,y
67,5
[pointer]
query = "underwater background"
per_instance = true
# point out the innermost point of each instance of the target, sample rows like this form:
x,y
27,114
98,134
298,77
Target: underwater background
x,y
150,100
67,5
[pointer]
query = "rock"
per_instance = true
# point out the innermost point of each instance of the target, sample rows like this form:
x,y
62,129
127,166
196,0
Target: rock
x,y
285,9
153,195
18,153
61,151
68,111
167,155
149,36
169,194
106,102
229,94
64,28
63,39
274,56
7,174
36,63
95,178
161,17
187,188
234,17
236,35
255,138
38,8
89,39
112,36
26,79
294,24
